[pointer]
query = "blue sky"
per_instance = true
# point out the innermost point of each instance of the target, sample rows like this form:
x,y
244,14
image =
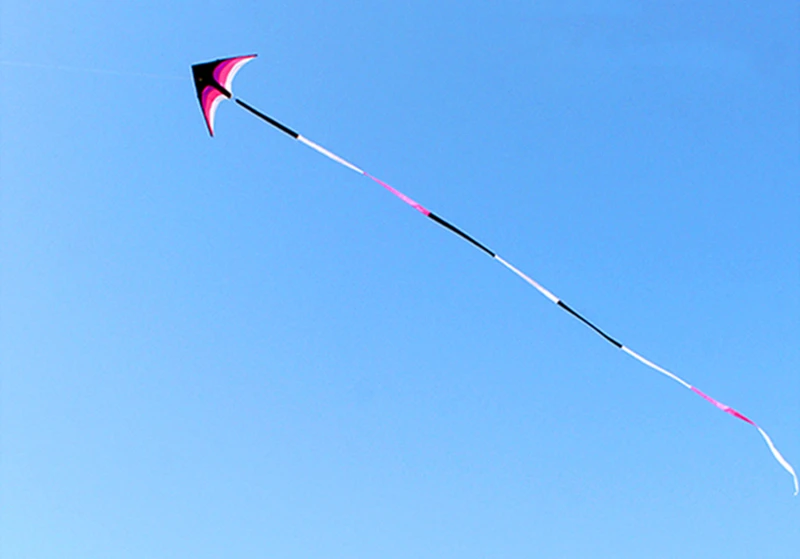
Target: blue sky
x,y
235,347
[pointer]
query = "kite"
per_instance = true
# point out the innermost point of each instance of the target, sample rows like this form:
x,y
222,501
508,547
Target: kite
x,y
213,81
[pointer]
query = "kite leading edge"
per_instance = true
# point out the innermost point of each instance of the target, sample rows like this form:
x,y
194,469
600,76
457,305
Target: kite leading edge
x,y
213,81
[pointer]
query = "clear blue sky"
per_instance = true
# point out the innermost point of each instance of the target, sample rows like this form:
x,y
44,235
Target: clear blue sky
x,y
233,347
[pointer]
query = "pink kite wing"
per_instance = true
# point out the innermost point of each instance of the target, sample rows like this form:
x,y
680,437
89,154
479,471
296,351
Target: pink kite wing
x,y
210,99
226,70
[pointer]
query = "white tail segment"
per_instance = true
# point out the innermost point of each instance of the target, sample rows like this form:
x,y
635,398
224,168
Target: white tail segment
x,y
655,367
779,457
532,282
329,154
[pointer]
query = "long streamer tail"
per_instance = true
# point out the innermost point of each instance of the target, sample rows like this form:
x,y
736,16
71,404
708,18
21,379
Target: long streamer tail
x,y
548,294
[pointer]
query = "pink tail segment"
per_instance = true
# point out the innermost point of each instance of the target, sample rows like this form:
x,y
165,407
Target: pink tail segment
x,y
778,456
723,407
400,195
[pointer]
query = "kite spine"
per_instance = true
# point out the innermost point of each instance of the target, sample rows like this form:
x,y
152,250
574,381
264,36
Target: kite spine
x,y
541,289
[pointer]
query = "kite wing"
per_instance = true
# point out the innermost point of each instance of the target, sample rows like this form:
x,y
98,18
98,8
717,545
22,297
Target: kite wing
x,y
213,81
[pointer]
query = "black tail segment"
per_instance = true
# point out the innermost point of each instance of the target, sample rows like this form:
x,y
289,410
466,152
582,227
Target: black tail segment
x,y
268,119
605,336
460,233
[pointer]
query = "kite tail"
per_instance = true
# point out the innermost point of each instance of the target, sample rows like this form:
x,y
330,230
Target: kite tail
x,y
552,298
533,283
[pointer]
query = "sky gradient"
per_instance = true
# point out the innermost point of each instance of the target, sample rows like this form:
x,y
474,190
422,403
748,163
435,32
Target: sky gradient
x,y
235,347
